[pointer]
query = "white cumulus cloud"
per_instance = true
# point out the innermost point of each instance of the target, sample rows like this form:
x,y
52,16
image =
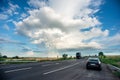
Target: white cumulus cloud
x,y
58,25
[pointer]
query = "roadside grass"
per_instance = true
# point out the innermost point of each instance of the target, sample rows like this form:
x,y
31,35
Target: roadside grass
x,y
14,62
117,73
29,60
113,60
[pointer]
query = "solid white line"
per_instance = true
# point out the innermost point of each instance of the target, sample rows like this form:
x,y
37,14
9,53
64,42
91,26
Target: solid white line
x,y
60,69
17,70
49,64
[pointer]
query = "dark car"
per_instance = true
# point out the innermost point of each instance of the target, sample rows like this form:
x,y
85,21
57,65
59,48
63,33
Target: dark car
x,y
93,63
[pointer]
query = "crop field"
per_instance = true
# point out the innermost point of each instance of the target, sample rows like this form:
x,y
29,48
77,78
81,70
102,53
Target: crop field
x,y
113,60
20,60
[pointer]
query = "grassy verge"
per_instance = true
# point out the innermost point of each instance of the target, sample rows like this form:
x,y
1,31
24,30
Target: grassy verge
x,y
113,60
14,62
117,73
29,60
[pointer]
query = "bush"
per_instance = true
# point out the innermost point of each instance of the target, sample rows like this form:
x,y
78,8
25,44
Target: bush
x,y
4,56
15,57
64,56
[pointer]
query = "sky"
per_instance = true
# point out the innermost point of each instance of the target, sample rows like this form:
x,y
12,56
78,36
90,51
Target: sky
x,y
50,28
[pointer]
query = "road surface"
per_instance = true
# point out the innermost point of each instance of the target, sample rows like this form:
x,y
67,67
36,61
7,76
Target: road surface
x,y
54,70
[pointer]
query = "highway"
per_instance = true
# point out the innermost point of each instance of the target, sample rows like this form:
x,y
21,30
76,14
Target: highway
x,y
54,70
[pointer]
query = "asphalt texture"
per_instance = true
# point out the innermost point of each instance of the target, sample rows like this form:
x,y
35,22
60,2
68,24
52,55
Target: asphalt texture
x,y
55,70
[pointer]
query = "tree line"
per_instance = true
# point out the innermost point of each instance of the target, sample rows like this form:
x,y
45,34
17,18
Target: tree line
x,y
64,56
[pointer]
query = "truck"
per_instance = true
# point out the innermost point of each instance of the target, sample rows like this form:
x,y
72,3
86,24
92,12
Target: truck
x,y
78,55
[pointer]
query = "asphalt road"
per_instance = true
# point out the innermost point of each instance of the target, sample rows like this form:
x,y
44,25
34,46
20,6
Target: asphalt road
x,y
54,70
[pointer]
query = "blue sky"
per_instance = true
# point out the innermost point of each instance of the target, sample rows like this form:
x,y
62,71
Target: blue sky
x,y
49,28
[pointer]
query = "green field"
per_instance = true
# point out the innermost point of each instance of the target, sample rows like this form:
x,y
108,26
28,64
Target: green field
x,y
113,60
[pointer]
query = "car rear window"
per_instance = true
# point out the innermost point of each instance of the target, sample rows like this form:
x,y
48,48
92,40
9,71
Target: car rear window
x,y
93,60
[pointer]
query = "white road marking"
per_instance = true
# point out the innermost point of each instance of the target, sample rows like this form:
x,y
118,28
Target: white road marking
x,y
22,65
46,65
57,63
49,64
17,70
60,69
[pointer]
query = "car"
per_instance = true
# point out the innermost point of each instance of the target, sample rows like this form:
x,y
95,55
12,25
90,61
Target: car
x,y
93,63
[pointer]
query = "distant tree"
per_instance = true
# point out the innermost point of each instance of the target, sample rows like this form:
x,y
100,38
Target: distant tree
x,y
70,57
1,58
95,55
101,55
64,56
0,55
16,57
4,56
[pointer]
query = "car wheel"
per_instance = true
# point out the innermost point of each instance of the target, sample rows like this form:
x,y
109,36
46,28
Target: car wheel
x,y
100,69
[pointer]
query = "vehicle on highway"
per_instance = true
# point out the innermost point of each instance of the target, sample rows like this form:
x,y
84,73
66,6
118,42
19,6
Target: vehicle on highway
x,y
93,63
78,55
